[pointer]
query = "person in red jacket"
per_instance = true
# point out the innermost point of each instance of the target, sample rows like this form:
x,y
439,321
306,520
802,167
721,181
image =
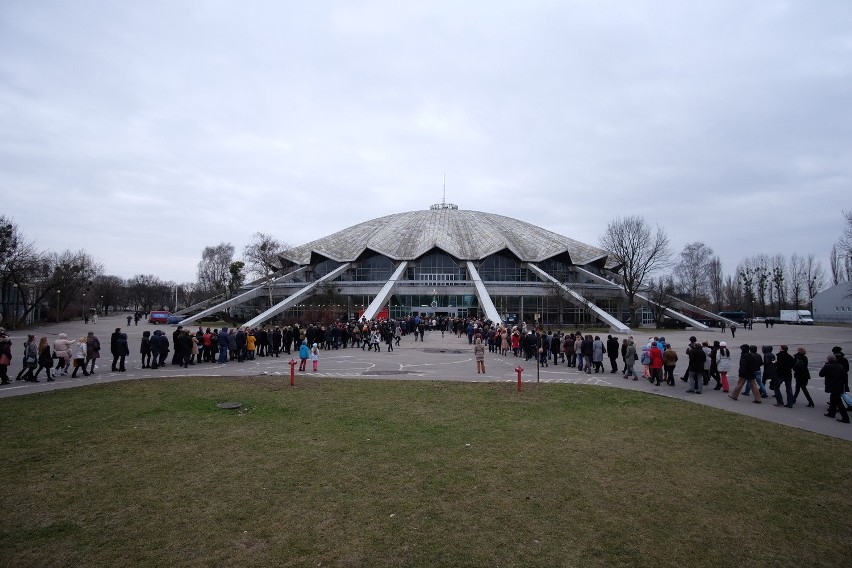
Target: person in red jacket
x,y
656,364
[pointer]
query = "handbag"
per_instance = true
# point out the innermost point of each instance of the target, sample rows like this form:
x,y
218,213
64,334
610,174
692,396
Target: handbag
x,y
5,360
847,400
31,360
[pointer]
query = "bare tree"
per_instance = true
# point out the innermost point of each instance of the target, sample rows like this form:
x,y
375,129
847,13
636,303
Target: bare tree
x,y
71,274
661,293
262,254
734,297
214,270
639,250
108,291
815,274
716,283
23,270
747,275
692,271
777,281
835,260
236,276
148,292
189,293
841,254
796,280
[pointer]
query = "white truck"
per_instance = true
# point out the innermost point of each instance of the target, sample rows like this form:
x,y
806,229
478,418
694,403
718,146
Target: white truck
x,y
800,317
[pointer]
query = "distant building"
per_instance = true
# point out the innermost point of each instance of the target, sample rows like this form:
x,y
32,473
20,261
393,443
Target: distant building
x,y
444,262
833,305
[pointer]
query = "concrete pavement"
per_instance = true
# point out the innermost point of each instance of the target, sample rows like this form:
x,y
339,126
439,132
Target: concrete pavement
x,y
451,358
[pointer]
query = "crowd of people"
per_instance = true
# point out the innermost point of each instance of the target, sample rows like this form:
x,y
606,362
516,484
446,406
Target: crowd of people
x,y
759,371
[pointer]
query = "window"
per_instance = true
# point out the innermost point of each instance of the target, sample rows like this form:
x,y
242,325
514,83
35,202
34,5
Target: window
x,y
375,269
437,268
499,268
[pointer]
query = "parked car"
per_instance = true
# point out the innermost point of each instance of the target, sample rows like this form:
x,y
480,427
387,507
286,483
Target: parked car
x,y
159,317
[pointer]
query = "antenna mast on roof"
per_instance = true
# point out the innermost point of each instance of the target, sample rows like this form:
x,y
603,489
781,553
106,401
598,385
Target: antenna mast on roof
x,y
443,204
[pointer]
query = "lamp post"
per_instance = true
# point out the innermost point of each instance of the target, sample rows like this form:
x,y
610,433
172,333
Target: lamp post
x,y
57,305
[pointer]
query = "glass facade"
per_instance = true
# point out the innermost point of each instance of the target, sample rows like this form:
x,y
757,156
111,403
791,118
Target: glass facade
x,y
500,268
436,268
374,269
324,267
557,269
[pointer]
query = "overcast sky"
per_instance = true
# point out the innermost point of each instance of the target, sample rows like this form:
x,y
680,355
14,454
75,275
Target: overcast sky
x,y
145,131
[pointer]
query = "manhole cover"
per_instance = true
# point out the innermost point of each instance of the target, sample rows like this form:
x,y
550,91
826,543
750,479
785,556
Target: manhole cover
x,y
455,351
229,405
372,373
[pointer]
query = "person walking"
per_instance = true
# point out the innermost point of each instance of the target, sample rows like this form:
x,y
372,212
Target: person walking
x,y
784,371
25,366
656,365
723,365
748,367
479,355
93,351
630,360
612,353
81,353
669,363
834,386
113,346
697,358
802,375
45,360
62,347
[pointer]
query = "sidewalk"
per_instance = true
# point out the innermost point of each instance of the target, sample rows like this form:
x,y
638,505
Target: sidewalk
x,y
451,358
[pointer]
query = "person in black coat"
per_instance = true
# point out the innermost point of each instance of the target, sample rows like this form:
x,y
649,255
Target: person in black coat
x,y
612,352
802,375
145,349
177,357
113,348
844,363
747,370
834,385
784,372
122,351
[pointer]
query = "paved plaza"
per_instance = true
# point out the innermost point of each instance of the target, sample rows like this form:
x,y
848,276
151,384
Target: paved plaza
x,y
449,358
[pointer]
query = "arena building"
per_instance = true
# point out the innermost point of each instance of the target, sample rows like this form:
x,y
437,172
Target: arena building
x,y
442,261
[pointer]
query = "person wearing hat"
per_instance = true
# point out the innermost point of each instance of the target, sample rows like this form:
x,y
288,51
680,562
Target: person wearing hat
x,y
315,357
304,353
834,386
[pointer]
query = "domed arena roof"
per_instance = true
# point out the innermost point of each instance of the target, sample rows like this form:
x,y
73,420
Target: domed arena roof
x,y
465,235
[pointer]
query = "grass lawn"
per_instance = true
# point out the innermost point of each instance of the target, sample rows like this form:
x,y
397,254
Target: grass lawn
x,y
384,473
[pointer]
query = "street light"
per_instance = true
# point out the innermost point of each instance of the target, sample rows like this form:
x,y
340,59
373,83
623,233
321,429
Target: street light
x,y
57,305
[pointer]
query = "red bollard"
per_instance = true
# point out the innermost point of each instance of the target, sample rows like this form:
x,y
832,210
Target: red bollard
x,y
292,372
519,370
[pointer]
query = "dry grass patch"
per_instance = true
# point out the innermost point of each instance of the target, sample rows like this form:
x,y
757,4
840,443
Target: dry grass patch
x,y
384,473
